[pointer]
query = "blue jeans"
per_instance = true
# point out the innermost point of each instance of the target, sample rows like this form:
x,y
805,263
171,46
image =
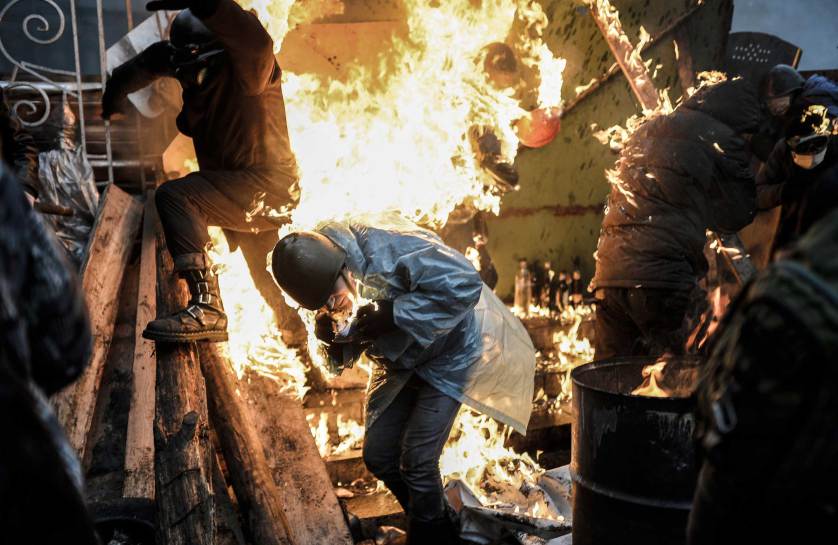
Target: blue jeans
x,y
402,447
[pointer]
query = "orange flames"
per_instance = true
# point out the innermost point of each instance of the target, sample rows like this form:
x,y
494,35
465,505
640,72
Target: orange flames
x,y
390,137
395,137
652,374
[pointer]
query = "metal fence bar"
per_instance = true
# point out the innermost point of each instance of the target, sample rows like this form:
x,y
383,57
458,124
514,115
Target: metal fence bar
x,y
103,70
129,15
129,18
77,58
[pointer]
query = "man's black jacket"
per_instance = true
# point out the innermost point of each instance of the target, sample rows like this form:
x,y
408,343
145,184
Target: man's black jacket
x,y
236,117
677,176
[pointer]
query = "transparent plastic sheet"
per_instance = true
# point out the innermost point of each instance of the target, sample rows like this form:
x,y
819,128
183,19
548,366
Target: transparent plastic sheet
x,y
484,359
504,376
66,180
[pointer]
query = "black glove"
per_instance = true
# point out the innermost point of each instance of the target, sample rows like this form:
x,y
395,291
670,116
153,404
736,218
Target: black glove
x,y
153,62
374,320
324,327
114,101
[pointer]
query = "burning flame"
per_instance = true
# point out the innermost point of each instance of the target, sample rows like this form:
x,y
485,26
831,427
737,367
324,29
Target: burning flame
x,y
571,349
395,137
475,453
652,374
391,137
255,341
350,434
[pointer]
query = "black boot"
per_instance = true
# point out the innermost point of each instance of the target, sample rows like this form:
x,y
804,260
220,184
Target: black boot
x,y
203,319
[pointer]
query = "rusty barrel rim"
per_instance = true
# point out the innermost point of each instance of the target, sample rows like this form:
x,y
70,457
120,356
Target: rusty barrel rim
x,y
578,376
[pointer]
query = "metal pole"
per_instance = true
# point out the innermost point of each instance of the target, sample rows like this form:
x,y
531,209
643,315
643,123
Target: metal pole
x,y
75,27
103,71
608,21
129,18
129,15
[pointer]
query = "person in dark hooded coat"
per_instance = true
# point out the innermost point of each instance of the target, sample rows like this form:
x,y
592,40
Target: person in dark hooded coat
x,y
45,345
234,111
767,405
785,94
677,176
806,162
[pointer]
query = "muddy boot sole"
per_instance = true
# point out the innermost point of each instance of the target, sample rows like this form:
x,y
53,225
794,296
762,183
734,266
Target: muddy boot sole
x,y
211,336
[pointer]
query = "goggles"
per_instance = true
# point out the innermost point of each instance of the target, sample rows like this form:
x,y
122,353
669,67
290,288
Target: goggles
x,y
808,145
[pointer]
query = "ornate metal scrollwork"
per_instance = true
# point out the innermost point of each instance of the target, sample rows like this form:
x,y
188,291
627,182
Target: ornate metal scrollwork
x,y
44,24
30,104
38,29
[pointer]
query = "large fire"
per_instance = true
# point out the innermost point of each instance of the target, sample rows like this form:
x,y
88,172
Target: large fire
x,y
395,137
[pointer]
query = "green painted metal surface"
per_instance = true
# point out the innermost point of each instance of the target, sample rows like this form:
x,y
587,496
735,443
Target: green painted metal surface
x,y
570,170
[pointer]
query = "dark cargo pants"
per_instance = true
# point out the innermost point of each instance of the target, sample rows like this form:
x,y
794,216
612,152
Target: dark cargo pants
x,y
403,446
642,321
188,206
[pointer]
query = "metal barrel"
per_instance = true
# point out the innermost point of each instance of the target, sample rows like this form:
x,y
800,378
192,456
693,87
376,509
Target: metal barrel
x,y
633,460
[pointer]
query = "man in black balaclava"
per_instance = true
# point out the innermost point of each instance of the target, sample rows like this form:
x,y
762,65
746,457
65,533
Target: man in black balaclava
x,y
805,164
235,113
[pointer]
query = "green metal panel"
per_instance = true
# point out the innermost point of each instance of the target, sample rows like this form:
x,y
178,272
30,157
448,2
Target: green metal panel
x,y
569,171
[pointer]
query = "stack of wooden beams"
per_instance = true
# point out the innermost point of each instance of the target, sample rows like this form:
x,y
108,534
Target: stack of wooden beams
x,y
187,404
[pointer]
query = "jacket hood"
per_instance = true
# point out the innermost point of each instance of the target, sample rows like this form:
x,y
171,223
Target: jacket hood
x,y
823,91
732,102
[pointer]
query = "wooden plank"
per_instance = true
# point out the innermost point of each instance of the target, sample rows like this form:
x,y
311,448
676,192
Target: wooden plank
x,y
183,454
608,21
227,524
300,474
108,250
139,446
614,69
257,494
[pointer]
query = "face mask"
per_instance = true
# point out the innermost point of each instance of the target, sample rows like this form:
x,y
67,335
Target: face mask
x,y
779,106
808,161
193,63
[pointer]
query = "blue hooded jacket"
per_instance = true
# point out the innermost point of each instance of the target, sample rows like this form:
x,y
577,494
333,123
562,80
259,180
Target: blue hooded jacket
x,y
451,329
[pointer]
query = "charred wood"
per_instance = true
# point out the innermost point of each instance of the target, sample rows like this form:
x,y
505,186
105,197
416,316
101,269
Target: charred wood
x,y
107,255
300,474
258,496
183,453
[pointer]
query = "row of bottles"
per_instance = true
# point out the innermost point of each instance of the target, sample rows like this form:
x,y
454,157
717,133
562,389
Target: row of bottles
x,y
541,286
